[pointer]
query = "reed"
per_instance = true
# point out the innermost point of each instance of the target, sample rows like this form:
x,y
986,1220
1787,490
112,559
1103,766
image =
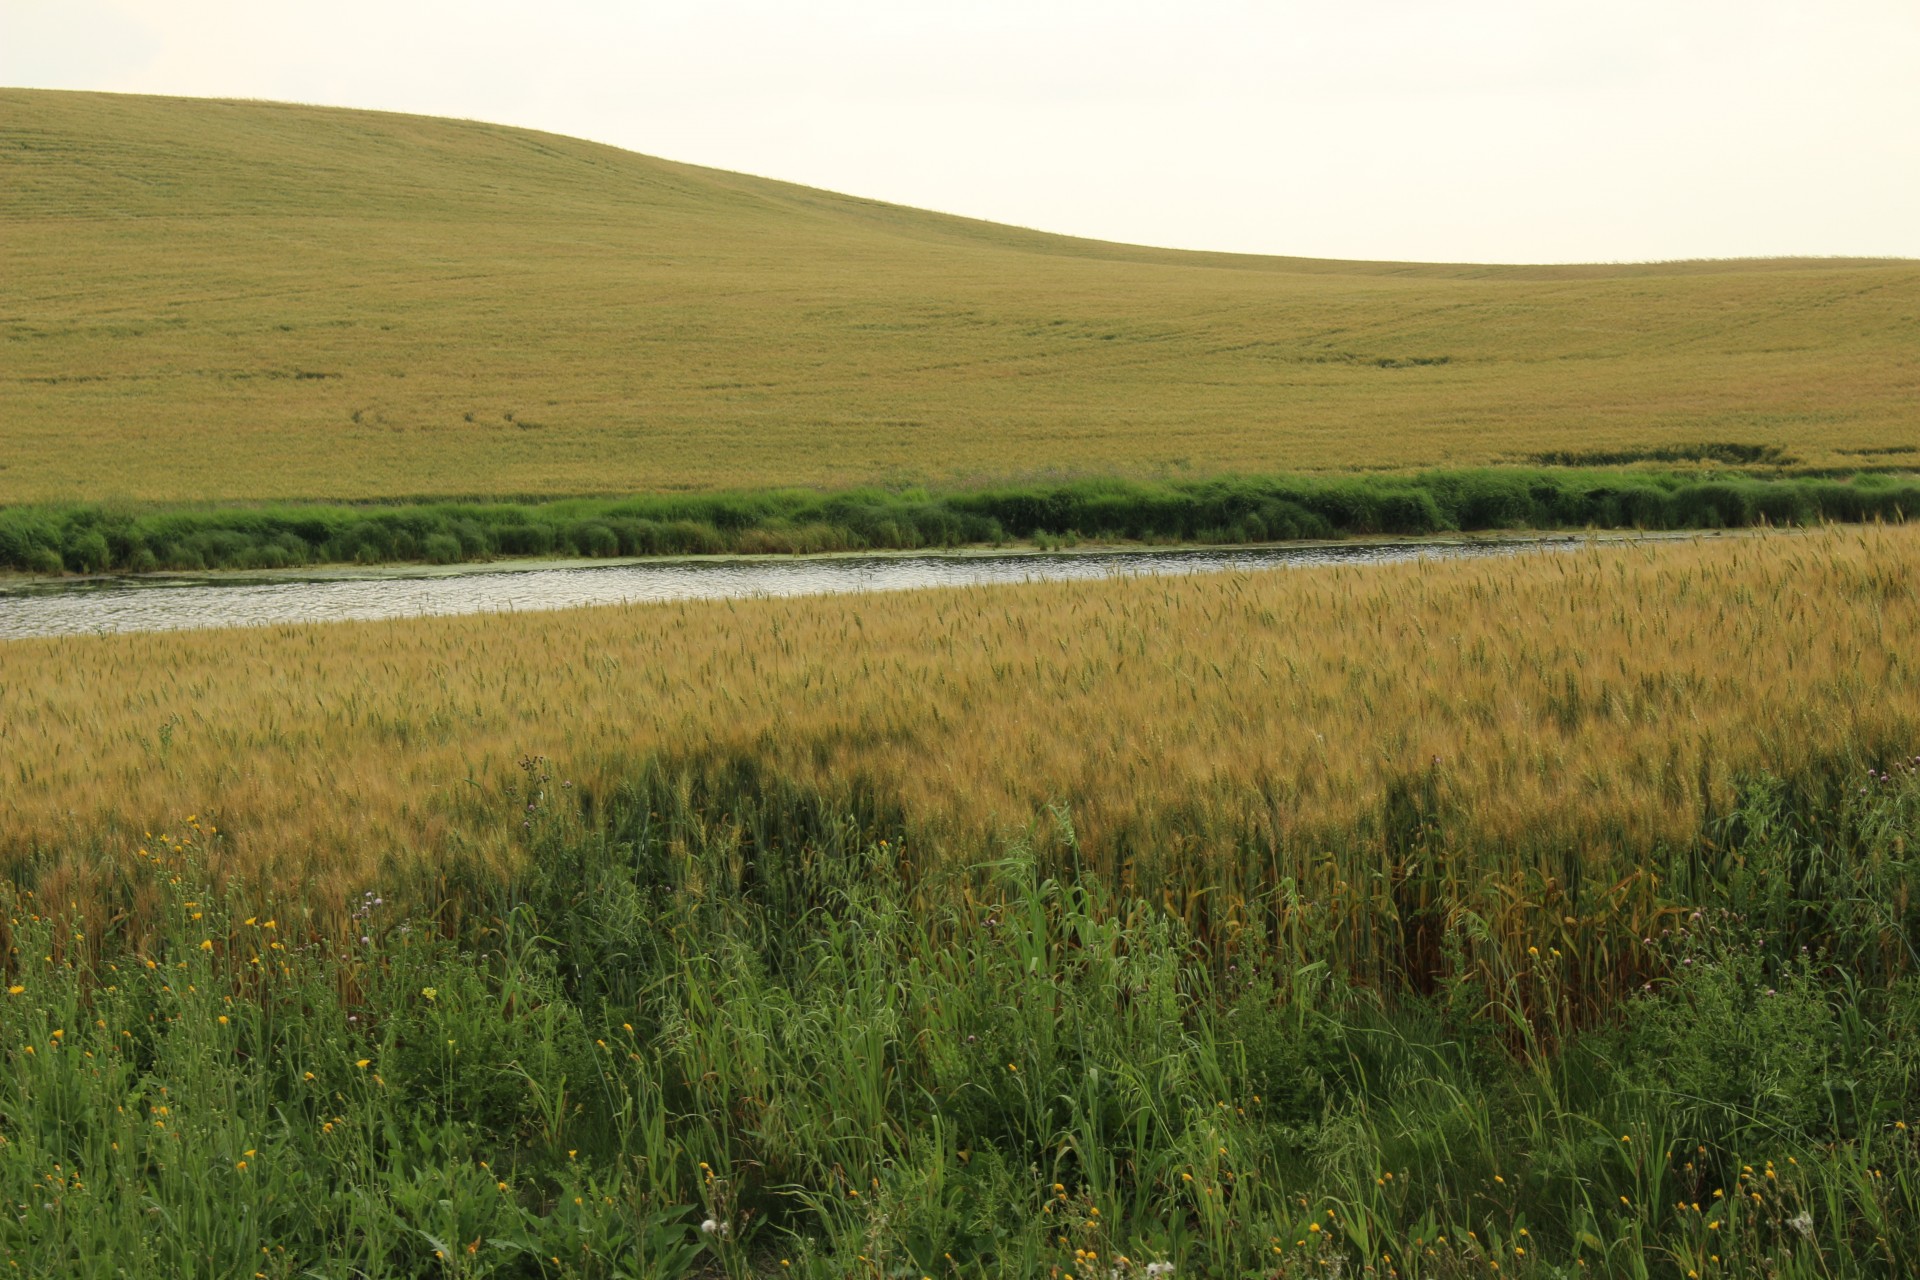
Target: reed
x,y
1540,916
94,538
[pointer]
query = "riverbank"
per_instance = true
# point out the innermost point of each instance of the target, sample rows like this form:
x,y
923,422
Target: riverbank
x,y
16,582
93,539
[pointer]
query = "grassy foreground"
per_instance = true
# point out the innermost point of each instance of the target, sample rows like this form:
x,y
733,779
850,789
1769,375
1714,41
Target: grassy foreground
x,y
96,539
685,1040
225,301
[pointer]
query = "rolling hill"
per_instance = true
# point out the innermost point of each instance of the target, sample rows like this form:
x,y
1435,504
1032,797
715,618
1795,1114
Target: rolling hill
x,y
242,301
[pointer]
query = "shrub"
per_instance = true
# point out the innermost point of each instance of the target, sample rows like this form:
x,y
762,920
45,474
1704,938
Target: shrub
x,y
524,539
475,542
1725,1043
86,551
1713,506
594,538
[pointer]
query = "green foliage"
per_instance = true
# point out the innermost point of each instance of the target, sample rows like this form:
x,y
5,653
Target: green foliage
x,y
998,1073
89,539
1746,1055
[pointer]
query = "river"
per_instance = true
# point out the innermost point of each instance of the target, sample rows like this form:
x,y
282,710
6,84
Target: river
x,y
159,603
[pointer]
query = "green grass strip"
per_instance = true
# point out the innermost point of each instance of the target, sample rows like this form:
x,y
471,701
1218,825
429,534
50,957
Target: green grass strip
x,y
99,538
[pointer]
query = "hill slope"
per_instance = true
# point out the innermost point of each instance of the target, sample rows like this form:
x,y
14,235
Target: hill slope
x,y
227,300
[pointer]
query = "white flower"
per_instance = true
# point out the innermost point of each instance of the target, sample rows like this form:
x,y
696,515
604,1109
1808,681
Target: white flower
x,y
1159,1268
1803,1223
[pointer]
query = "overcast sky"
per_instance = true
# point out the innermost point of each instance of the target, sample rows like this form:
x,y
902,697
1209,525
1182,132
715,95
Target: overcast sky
x,y
1484,130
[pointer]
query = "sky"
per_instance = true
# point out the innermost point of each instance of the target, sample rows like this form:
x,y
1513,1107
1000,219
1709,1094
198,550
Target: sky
x,y
1470,130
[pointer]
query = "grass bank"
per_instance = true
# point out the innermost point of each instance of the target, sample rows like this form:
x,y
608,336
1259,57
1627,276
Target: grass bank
x,y
748,1030
97,538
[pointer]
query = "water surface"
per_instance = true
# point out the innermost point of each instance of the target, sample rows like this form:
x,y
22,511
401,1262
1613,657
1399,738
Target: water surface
x,y
172,604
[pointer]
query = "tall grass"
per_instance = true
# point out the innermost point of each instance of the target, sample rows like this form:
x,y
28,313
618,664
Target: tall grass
x,y
94,539
675,1042
245,302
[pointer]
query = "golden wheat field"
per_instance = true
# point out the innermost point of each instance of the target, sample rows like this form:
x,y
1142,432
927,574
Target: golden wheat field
x,y
1597,693
244,301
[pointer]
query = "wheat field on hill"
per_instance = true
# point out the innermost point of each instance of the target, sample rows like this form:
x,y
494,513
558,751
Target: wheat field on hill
x,y
212,300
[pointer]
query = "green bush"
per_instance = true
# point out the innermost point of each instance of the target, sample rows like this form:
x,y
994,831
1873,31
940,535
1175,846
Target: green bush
x,y
1233,509
85,551
524,539
1740,1053
594,538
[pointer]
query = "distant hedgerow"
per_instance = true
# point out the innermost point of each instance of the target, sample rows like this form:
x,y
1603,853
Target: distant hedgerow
x,y
1231,509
